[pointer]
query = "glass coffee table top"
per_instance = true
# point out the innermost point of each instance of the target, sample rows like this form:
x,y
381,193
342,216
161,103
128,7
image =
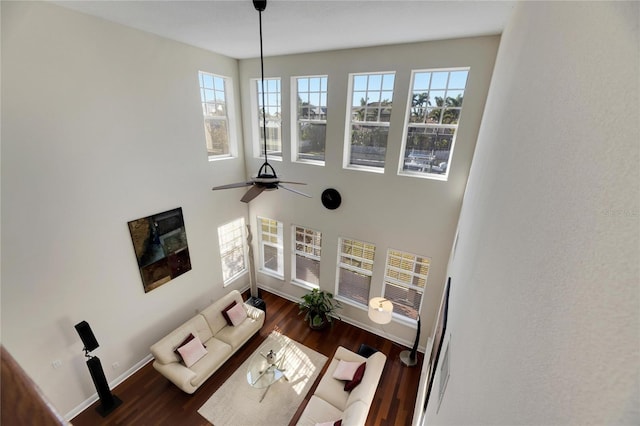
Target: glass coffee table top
x,y
266,367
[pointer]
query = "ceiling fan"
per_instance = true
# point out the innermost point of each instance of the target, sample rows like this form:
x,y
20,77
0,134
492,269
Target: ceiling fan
x,y
267,179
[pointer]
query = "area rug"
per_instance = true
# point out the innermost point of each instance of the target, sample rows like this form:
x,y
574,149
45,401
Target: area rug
x,y
237,403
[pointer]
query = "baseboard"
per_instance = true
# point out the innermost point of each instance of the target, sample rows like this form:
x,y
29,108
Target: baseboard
x,y
351,321
121,378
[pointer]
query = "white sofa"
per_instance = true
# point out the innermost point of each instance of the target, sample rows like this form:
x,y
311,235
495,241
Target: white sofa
x,y
331,402
220,340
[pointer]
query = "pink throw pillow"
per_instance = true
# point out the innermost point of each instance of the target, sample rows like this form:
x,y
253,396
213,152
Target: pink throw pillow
x,y
357,378
192,351
226,315
346,370
237,314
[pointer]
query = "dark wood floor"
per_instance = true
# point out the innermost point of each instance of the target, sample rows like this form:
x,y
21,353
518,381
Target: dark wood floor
x,y
150,399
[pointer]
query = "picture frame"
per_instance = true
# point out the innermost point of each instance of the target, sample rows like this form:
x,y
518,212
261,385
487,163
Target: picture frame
x,y
161,249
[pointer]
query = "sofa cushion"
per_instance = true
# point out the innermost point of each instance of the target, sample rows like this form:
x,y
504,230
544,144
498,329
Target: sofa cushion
x,y
356,414
213,312
192,351
332,390
225,311
237,314
235,336
367,388
217,353
163,350
318,411
357,378
346,370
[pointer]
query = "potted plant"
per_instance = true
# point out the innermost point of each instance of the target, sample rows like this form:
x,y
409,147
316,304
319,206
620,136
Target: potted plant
x,y
319,308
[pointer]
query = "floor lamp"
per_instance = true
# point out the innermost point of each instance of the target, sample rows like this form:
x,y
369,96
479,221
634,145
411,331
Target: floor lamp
x,y
380,310
409,358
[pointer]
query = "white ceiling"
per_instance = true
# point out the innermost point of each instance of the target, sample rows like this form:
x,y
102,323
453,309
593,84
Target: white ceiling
x,y
294,26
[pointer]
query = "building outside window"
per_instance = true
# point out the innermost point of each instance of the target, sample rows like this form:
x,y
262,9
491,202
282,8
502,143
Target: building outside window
x,y
273,111
306,256
215,96
355,267
233,250
405,279
308,136
433,114
271,246
368,116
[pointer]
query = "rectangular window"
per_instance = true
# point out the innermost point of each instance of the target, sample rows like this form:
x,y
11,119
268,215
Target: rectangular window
x,y
306,256
405,279
215,96
433,114
355,267
233,249
271,253
368,116
309,131
273,112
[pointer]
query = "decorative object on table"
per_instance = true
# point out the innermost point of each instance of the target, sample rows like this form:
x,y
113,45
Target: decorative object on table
x,y
267,179
319,308
160,245
331,198
108,401
236,402
380,310
438,337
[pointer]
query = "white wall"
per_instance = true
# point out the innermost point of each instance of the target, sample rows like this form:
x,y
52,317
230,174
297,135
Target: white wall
x,y
405,213
100,125
544,314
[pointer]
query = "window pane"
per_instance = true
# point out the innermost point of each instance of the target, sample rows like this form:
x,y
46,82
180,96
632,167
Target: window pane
x,y
311,141
404,282
433,117
369,145
232,249
216,119
372,102
272,104
354,286
308,270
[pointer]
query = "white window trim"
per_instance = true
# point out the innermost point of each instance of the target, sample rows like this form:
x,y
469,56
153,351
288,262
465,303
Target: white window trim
x,y
346,154
231,117
245,253
280,248
294,260
433,176
294,120
256,129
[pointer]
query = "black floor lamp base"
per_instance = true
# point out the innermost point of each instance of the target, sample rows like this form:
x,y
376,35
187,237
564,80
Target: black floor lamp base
x,y
104,410
405,357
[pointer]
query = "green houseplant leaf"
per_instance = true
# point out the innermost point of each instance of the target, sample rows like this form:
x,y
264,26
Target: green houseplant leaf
x,y
319,308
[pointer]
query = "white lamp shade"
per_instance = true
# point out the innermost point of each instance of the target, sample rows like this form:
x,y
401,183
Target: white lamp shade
x,y
380,310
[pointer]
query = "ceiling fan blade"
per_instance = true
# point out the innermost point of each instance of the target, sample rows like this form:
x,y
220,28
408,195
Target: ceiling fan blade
x,y
252,193
295,183
293,190
232,185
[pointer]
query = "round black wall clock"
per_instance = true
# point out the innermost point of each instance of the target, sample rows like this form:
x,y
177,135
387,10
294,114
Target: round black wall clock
x,y
331,198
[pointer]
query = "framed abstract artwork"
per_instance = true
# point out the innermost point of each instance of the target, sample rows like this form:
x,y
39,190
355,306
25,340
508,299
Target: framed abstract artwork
x,y
160,245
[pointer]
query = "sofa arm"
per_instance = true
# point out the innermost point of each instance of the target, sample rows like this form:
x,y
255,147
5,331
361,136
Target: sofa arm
x,y
178,374
254,313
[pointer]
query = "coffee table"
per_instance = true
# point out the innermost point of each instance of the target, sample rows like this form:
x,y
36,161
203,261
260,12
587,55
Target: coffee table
x,y
266,368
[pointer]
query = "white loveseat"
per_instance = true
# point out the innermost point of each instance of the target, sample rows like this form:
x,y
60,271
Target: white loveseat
x,y
220,340
331,402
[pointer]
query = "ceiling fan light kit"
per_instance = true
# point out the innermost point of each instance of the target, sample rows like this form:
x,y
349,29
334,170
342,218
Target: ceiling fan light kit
x,y
267,179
